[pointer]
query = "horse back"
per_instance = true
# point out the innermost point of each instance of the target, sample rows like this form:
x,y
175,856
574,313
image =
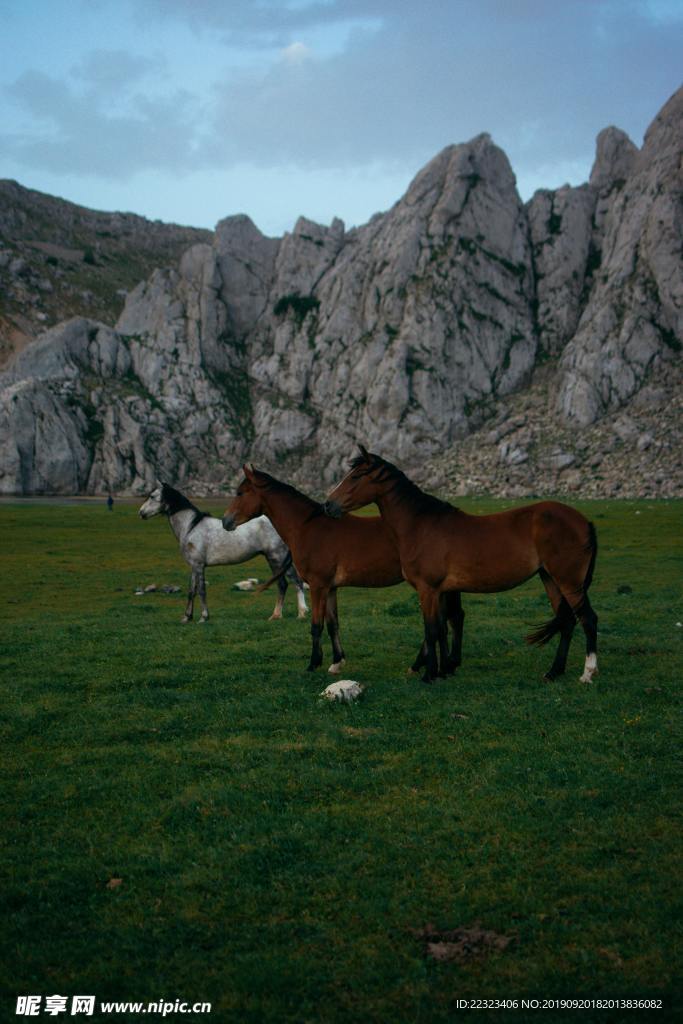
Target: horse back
x,y
223,547
487,553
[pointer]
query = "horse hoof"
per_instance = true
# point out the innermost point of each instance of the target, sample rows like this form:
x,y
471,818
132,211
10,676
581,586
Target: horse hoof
x,y
412,671
185,619
590,669
336,667
548,677
274,617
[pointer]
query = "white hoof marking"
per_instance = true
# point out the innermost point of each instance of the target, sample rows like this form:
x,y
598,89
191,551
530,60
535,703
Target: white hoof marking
x,y
590,669
336,667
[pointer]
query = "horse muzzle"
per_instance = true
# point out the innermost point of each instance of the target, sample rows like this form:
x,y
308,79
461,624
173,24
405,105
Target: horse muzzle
x,y
229,523
333,509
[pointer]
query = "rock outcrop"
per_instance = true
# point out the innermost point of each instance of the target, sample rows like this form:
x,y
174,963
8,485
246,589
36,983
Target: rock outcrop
x,y
633,318
59,260
412,332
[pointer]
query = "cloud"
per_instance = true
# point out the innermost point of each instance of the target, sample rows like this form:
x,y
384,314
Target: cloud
x,y
111,72
295,53
334,84
80,133
265,24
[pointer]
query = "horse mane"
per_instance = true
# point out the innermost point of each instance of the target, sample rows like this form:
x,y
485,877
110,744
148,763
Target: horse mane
x,y
269,483
177,502
403,489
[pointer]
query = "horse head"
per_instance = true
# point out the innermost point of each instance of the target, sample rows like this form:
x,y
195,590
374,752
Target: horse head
x,y
359,487
247,503
154,504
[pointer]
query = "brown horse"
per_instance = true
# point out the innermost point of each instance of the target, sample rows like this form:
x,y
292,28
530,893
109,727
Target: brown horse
x,y
353,551
444,550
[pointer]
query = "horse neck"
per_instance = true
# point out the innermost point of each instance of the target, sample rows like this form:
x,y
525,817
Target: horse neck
x,y
287,508
180,522
399,505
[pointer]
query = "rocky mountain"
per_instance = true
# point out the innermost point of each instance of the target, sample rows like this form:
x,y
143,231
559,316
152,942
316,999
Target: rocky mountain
x,y
482,343
58,260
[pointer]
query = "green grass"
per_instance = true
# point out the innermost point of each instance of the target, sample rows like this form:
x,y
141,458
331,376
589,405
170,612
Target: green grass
x,y
275,851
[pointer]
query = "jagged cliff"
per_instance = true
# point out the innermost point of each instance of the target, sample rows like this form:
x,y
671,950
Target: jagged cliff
x,y
417,333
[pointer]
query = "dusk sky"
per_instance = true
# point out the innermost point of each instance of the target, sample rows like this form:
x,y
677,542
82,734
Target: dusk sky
x,y
191,110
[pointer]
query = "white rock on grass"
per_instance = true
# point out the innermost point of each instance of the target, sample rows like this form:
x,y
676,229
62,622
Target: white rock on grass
x,y
344,690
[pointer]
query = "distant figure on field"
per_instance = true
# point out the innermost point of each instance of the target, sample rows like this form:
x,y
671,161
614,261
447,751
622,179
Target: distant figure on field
x,y
110,502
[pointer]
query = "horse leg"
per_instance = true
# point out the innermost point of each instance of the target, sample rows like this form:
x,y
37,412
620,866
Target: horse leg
x,y
282,590
564,622
300,594
573,590
419,660
454,614
293,577
332,619
444,660
431,614
202,596
583,611
589,622
192,590
318,606
571,569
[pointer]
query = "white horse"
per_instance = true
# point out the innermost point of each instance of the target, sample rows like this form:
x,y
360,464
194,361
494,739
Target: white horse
x,y
203,541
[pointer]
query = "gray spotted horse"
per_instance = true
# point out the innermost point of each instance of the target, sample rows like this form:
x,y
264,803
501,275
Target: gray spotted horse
x,y
203,541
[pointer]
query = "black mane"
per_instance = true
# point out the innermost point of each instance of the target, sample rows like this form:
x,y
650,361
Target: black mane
x,y
273,484
177,502
403,487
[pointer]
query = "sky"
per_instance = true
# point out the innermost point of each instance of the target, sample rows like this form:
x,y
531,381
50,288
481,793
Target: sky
x,y
193,110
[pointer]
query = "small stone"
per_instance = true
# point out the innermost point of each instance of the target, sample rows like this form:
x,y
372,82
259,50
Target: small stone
x,y
345,690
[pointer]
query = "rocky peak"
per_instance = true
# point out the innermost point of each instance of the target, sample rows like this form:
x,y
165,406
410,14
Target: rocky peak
x,y
246,259
410,333
633,319
305,255
615,156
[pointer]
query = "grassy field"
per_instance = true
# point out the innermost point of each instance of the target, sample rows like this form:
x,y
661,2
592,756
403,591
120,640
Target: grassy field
x,y
184,818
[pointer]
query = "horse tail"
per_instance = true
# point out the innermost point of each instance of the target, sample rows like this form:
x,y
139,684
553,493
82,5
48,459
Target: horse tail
x,y
293,575
592,546
549,629
284,568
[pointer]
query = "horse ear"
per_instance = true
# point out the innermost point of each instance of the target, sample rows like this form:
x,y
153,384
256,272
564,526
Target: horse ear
x,y
364,452
248,468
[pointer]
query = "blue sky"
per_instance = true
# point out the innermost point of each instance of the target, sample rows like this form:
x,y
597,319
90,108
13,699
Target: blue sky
x,y
190,110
